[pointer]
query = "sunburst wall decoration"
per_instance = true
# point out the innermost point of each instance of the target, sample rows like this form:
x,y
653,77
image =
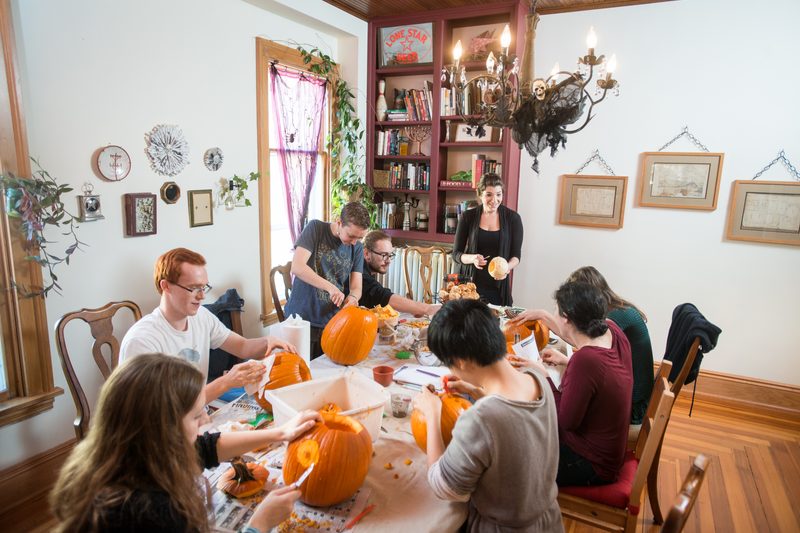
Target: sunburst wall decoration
x,y
167,149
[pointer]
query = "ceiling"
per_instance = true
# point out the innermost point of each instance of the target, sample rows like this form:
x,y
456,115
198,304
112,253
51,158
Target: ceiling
x,y
370,9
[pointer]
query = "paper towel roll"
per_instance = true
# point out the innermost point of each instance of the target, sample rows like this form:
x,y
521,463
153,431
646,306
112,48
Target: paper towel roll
x,y
298,332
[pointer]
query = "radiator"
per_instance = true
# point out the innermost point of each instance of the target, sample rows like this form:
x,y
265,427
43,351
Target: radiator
x,y
395,280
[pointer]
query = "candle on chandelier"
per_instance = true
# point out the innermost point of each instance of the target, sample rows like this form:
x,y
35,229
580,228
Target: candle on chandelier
x,y
505,40
591,40
490,62
554,74
611,66
457,51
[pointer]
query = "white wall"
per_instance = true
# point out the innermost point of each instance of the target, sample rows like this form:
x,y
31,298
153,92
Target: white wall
x,y
96,72
727,70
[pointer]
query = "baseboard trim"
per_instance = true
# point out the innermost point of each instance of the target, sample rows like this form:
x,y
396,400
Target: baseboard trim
x,y
25,486
765,397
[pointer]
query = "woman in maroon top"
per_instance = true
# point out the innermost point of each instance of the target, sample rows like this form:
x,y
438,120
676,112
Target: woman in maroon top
x,y
594,403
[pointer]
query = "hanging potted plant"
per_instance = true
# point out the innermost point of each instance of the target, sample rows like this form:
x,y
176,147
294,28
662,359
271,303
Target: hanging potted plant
x,y
37,203
344,141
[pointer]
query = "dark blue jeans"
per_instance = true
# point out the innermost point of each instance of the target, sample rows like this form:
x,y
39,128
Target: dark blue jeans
x,y
574,469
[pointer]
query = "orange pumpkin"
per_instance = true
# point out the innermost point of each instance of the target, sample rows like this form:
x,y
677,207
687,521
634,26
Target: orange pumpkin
x,y
511,329
288,369
243,479
509,348
537,327
342,450
349,335
540,331
330,407
452,407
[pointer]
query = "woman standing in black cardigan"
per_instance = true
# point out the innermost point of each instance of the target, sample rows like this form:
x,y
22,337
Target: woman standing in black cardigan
x,y
488,231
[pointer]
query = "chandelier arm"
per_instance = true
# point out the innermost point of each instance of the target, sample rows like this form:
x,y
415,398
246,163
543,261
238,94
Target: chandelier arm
x,y
589,117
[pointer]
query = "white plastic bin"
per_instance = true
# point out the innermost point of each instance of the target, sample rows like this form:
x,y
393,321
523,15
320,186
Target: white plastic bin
x,y
358,396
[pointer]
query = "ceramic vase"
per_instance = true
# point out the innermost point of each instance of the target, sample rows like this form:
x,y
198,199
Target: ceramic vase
x,y
380,105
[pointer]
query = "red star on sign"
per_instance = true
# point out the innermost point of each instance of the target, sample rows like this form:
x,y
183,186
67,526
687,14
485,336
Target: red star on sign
x,y
407,44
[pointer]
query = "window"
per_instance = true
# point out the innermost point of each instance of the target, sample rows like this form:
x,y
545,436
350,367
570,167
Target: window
x,y
276,241
26,381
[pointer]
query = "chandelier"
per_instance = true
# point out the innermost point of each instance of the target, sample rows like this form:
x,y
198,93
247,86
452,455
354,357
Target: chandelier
x,y
539,112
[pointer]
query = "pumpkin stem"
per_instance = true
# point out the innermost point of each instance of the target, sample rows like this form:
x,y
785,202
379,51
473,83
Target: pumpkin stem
x,y
241,472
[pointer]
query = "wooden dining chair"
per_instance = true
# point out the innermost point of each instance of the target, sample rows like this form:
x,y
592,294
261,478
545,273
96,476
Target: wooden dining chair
x,y
682,508
616,506
675,388
102,329
633,431
286,275
427,255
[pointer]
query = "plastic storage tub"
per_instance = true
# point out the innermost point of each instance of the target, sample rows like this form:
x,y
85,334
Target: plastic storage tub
x,y
358,396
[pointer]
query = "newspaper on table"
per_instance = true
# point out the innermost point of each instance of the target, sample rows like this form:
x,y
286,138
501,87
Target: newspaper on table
x,y
232,514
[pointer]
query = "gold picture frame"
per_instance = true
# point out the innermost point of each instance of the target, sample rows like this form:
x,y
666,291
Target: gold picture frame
x,y
201,208
680,180
593,201
765,211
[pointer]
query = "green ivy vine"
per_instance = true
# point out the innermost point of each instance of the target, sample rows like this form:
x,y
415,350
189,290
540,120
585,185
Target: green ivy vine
x,y
345,139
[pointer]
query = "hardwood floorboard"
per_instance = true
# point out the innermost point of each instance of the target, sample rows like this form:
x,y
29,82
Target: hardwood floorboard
x,y
753,481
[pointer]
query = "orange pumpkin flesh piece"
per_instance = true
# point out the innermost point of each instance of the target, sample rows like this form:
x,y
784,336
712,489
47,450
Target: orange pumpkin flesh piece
x,y
243,479
288,369
342,450
349,335
452,407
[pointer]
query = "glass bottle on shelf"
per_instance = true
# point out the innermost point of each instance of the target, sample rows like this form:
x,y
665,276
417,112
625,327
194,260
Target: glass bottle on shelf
x,y
450,218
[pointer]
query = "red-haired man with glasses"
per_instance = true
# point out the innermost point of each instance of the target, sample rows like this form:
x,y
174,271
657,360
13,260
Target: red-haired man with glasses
x,y
182,327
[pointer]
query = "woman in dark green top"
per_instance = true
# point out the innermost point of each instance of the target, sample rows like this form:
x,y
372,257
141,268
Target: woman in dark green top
x,y
632,322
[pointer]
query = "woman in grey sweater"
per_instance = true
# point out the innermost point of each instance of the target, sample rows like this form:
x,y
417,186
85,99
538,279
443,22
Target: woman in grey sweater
x,y
503,456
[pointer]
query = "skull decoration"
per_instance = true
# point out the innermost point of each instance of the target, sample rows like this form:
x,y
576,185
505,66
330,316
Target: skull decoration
x,y
539,88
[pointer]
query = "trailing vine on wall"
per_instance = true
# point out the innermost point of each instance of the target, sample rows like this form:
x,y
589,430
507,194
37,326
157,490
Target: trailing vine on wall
x,y
345,138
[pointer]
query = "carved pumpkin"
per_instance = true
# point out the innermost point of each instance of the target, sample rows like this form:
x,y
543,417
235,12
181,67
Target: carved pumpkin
x,y
537,327
349,335
331,408
342,450
452,407
540,331
498,268
243,479
288,369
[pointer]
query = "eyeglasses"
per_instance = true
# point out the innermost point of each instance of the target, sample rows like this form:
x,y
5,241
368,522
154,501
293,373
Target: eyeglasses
x,y
196,290
385,256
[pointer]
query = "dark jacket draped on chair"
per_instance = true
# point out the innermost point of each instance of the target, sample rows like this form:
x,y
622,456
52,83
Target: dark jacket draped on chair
x,y
688,323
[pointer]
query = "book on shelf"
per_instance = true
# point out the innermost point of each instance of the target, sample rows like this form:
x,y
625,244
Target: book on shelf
x,y
409,176
481,165
452,184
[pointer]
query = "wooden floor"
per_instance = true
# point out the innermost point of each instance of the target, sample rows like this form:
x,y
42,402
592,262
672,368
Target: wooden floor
x,y
753,481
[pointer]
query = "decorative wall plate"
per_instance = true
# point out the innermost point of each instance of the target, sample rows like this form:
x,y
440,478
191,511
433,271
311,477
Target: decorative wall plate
x,y
170,192
213,159
167,149
113,163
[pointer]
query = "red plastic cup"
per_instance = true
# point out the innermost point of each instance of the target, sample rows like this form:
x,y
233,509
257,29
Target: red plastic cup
x,y
383,374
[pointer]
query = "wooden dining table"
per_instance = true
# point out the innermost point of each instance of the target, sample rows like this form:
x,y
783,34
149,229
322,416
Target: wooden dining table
x,y
396,485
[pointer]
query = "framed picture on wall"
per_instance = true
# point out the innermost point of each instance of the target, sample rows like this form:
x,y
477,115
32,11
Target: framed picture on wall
x,y
409,44
201,212
765,211
593,201
682,180
140,214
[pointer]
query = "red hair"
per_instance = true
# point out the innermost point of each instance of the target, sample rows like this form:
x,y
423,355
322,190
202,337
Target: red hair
x,y
168,266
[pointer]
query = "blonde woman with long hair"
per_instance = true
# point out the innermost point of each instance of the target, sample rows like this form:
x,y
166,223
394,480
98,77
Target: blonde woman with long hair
x,y
140,467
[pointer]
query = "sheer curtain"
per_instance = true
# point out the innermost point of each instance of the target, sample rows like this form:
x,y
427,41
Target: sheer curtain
x,y
298,112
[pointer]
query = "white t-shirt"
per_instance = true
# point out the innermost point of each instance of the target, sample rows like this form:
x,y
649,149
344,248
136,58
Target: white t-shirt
x,y
153,334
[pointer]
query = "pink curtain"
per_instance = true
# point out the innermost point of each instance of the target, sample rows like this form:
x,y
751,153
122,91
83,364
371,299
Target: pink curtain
x,y
297,103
